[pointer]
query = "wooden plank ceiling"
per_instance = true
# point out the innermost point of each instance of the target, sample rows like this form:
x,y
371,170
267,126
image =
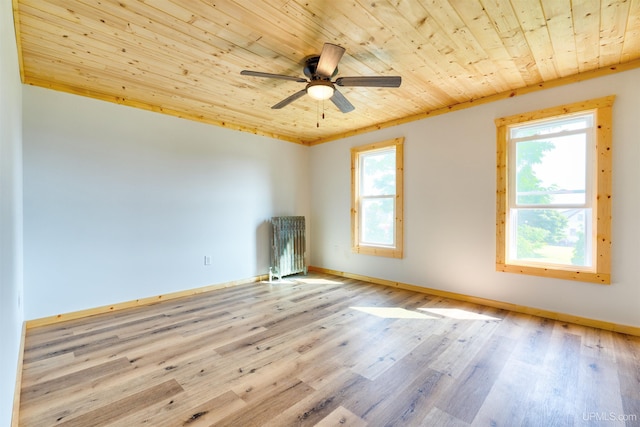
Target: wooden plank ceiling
x,y
184,57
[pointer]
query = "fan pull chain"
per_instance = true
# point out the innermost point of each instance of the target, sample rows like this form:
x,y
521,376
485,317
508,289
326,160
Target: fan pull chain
x,y
318,113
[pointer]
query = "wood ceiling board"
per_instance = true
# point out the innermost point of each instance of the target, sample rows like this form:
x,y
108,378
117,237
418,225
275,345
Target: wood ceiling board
x,y
185,58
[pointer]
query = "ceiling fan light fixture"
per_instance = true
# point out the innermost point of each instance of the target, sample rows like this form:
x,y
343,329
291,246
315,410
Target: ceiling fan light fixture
x,y
320,89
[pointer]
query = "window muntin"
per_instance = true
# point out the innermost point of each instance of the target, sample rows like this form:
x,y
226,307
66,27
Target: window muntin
x,y
553,216
377,198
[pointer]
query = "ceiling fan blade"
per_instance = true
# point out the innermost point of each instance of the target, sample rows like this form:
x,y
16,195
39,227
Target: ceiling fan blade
x,y
272,76
289,100
329,57
341,102
375,81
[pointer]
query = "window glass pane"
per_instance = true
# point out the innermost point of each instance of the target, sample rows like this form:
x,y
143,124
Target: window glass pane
x,y
551,236
378,221
378,173
553,126
552,171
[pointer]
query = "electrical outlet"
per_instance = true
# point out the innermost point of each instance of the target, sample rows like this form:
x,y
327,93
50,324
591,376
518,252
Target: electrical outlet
x,y
207,260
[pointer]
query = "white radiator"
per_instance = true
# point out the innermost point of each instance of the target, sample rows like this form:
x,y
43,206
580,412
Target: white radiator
x,y
288,246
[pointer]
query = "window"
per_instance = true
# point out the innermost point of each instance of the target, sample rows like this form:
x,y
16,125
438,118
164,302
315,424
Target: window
x,y
376,198
554,192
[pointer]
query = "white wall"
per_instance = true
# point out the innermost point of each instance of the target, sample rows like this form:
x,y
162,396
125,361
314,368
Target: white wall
x,y
11,311
121,203
450,185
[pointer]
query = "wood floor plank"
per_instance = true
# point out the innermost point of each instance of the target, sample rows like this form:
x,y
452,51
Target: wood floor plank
x,y
627,350
553,396
473,385
412,402
400,393
468,339
399,337
598,343
317,406
341,416
323,350
60,383
599,376
507,398
437,417
124,406
77,347
46,369
259,412
532,347
92,394
512,325
187,409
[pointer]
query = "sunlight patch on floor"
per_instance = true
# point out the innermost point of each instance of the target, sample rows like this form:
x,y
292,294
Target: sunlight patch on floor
x,y
301,281
281,282
457,313
393,313
424,313
316,281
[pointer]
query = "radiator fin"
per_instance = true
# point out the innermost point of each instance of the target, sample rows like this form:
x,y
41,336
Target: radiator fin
x,y
288,246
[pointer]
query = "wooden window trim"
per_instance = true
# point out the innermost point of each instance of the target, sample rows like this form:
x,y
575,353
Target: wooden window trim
x,y
601,229
391,252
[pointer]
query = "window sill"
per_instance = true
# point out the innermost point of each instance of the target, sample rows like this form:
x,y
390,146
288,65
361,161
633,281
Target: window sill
x,y
377,251
568,274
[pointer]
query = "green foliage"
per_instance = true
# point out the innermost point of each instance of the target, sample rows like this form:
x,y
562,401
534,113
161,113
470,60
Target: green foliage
x,y
536,227
530,239
530,154
549,220
579,254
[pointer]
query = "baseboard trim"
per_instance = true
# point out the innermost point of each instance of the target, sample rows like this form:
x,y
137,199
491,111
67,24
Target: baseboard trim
x,y
569,318
50,320
15,411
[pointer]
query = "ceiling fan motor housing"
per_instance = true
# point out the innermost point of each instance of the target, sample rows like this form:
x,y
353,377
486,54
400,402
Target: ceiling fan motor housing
x,y
310,66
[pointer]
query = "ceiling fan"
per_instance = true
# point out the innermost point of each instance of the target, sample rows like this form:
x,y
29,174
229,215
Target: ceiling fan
x,y
320,70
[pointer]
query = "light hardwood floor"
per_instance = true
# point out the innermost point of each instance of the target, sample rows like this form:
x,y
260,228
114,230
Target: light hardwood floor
x,y
327,351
